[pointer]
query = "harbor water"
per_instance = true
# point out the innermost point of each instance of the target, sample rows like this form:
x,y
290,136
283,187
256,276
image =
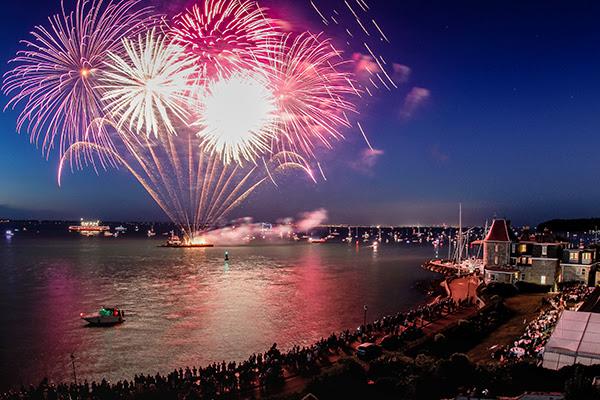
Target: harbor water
x,y
184,307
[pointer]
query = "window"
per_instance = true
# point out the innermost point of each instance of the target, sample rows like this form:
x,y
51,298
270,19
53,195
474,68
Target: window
x,y
574,256
522,276
496,260
544,250
586,258
496,248
543,279
522,248
583,271
514,248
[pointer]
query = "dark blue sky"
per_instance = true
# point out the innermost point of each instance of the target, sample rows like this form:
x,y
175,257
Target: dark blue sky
x,y
510,126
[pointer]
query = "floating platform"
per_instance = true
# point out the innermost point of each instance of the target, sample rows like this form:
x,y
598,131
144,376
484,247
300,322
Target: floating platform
x,y
187,246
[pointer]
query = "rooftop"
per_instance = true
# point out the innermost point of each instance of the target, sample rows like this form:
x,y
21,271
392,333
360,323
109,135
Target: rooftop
x,y
498,232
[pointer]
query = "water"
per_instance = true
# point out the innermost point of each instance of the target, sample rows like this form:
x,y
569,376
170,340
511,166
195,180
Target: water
x,y
184,306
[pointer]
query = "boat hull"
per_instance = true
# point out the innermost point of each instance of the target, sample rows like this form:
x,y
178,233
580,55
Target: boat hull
x,y
103,320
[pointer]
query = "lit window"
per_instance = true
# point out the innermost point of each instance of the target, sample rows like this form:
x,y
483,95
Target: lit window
x,y
522,248
544,250
586,257
574,256
543,279
496,260
496,248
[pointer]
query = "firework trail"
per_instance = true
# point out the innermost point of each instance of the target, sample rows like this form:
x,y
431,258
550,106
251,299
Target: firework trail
x,y
56,76
194,188
363,33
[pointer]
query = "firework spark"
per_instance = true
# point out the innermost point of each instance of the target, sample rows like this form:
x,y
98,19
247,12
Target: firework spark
x,y
146,88
224,36
56,77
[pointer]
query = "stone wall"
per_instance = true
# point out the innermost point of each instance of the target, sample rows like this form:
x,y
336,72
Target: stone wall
x,y
496,254
540,267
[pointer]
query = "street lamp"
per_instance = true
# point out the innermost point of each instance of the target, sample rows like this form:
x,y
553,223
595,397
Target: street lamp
x,y
73,363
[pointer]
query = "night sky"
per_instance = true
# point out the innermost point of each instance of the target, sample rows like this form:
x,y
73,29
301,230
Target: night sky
x,y
507,123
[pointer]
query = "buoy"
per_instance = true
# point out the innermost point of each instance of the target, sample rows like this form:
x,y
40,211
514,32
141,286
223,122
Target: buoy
x,y
226,256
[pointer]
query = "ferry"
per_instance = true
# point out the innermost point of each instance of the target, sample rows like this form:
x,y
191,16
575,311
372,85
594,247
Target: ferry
x,y
89,228
104,317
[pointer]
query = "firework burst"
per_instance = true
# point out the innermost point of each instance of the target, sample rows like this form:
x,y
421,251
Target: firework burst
x,y
312,94
56,77
238,117
146,88
224,36
201,113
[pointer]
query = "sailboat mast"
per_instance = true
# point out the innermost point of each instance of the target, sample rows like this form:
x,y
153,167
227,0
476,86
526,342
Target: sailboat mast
x,y
458,259
450,243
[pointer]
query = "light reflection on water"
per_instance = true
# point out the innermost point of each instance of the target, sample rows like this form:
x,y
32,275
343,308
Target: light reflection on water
x,y
184,306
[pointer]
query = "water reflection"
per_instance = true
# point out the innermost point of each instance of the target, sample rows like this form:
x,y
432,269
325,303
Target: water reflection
x,y
184,307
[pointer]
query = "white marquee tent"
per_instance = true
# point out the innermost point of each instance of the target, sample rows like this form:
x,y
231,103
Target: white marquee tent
x,y
575,340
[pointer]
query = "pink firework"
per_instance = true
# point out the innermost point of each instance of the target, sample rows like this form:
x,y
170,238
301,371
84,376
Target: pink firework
x,y
312,91
57,75
225,36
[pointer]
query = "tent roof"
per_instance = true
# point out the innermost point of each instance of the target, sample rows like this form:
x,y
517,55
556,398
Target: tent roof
x,y
577,334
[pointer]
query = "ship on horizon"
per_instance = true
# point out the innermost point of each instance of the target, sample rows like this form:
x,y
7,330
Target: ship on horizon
x,y
89,228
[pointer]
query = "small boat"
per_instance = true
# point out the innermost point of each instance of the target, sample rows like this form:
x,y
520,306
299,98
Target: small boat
x,y
104,317
316,241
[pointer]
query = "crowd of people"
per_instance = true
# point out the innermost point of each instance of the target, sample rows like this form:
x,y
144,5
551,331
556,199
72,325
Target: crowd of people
x,y
531,344
261,371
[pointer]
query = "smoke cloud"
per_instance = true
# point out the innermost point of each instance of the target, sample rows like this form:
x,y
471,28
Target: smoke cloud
x,y
243,230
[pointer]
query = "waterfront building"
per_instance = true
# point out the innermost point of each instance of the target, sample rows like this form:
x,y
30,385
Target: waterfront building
x,y
537,258
580,265
496,253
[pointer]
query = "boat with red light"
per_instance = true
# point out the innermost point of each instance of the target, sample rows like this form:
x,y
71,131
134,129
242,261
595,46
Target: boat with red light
x,y
105,317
